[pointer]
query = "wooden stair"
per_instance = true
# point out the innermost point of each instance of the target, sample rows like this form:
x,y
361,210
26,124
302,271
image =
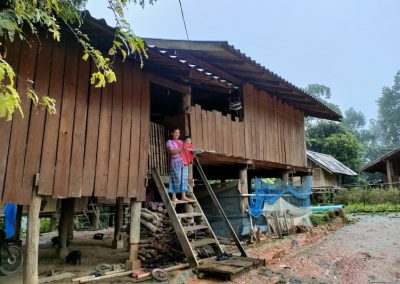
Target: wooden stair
x,y
188,235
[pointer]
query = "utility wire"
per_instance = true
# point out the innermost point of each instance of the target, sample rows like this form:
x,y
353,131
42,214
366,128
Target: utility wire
x,y
183,18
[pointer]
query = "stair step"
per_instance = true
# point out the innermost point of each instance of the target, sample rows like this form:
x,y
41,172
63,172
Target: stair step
x,y
183,201
203,242
188,215
194,228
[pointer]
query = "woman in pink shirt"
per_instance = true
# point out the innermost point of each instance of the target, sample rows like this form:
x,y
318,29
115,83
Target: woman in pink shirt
x,y
179,173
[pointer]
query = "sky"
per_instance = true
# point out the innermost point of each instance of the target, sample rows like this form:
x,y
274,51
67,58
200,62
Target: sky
x,y
351,46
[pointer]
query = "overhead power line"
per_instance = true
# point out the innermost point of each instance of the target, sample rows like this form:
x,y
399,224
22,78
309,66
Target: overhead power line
x,y
183,19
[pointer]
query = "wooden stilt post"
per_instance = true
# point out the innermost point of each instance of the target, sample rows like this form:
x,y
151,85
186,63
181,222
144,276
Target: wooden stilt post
x,y
67,213
70,220
118,243
32,239
134,235
389,173
244,189
285,177
17,229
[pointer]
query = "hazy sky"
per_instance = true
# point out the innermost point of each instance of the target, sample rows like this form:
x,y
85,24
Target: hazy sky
x,y
352,46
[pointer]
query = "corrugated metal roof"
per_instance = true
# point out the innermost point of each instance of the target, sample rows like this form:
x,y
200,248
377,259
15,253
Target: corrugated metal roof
x,y
243,69
216,63
378,165
329,163
172,65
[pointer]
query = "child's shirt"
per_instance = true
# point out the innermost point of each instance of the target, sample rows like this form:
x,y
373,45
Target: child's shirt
x,y
187,154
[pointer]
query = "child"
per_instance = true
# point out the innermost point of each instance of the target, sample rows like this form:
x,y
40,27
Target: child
x,y
188,151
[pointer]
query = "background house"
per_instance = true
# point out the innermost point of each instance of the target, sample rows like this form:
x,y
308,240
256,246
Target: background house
x,y
326,170
388,165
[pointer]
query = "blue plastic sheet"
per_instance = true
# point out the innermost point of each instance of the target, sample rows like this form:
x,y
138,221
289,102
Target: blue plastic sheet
x,y
10,213
298,196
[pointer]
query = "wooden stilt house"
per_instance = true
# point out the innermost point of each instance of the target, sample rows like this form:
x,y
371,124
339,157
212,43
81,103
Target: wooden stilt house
x,y
388,165
102,142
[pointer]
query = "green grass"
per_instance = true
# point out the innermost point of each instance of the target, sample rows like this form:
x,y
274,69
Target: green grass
x,y
320,218
367,196
383,207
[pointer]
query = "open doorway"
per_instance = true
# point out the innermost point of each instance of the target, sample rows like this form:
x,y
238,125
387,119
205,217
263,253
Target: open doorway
x,y
166,113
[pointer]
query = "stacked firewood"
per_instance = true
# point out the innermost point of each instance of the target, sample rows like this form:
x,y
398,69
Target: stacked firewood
x,y
159,244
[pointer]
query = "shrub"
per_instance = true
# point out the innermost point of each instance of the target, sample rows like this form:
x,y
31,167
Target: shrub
x,y
367,196
44,225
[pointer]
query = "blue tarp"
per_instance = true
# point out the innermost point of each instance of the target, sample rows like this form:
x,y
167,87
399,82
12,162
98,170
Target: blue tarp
x,y
10,213
298,196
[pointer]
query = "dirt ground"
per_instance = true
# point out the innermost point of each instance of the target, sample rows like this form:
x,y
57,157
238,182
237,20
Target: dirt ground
x,y
367,251
94,252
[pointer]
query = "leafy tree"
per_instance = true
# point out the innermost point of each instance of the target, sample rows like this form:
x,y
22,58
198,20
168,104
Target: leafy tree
x,y
319,91
317,133
323,94
344,147
389,114
354,121
332,138
19,16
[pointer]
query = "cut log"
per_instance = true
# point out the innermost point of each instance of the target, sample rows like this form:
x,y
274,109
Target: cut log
x,y
146,216
56,277
150,226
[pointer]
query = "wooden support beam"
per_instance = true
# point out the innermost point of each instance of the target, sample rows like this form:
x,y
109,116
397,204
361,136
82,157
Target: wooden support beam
x,y
17,228
134,235
67,212
389,172
169,84
70,220
30,275
118,242
187,103
285,177
244,189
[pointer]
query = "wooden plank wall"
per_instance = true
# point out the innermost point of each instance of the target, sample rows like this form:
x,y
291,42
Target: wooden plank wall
x,y
274,131
96,145
213,131
271,130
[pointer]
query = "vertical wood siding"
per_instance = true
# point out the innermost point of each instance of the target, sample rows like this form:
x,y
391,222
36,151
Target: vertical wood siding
x,y
271,130
96,144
